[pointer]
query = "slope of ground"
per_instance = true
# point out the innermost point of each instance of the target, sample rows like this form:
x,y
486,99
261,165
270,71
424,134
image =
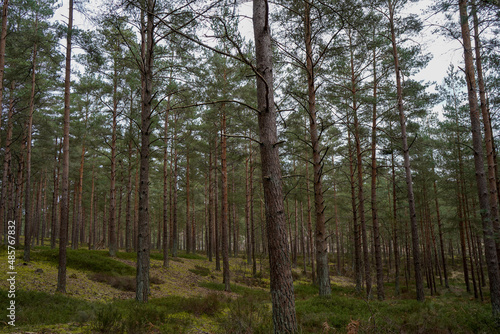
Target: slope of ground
x,y
187,297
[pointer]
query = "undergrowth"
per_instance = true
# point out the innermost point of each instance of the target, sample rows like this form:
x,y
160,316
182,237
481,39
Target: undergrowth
x,y
246,310
85,260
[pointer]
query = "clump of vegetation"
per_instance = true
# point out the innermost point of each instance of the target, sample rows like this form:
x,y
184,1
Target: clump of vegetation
x,y
200,271
259,294
208,305
107,319
124,283
191,256
401,315
247,315
85,260
41,308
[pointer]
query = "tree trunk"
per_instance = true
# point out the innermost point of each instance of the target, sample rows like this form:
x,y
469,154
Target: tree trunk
x,y
210,244
27,197
283,300
6,177
143,235
112,187
175,237
188,227
406,156
165,188
128,215
336,215
235,220
63,236
3,39
252,220
93,209
488,134
359,169
319,203
482,186
248,238
79,210
440,232
395,223
3,188
309,227
225,203
55,196
376,232
357,244
45,211
216,211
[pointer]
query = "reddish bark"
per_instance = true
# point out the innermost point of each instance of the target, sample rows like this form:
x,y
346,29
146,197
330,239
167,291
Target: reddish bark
x,y
282,296
406,156
63,236
482,186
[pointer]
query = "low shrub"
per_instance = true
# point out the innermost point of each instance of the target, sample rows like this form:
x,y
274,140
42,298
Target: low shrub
x,y
85,260
124,283
247,315
200,271
208,305
107,319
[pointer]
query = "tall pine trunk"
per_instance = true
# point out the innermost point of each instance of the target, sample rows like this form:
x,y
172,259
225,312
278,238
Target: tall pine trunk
x,y
63,230
488,132
112,187
143,230
359,169
282,296
27,198
225,204
376,231
406,156
3,40
165,188
322,269
482,186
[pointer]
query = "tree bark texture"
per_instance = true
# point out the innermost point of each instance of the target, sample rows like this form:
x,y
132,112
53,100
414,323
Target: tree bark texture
x,y
482,186
406,156
488,133
283,299
225,205
27,198
322,270
63,230
143,231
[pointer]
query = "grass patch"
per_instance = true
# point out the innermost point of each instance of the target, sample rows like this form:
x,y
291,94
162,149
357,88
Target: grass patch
x,y
200,271
85,260
124,283
247,315
258,294
433,316
191,256
40,308
163,315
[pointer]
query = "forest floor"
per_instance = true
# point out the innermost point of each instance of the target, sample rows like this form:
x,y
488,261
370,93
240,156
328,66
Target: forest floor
x,y
188,297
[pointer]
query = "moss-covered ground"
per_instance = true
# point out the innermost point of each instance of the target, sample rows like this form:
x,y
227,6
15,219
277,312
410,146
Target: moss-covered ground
x,y
188,297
